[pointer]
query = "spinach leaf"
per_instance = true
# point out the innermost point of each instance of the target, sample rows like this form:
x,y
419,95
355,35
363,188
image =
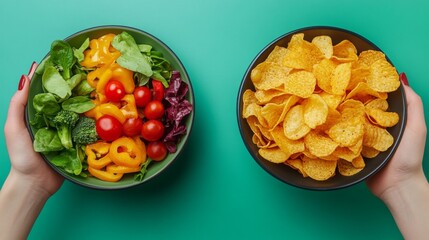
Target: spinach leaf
x,y
131,58
69,161
83,89
47,140
62,56
54,83
75,80
38,121
46,103
78,53
78,104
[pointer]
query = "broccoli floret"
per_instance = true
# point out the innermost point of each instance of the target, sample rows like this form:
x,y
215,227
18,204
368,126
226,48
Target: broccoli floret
x,y
84,132
64,122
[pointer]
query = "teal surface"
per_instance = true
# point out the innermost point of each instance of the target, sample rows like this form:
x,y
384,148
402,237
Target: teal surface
x,y
215,190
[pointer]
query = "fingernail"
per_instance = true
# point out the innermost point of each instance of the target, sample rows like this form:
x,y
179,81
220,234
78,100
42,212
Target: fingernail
x,y
32,68
404,79
21,82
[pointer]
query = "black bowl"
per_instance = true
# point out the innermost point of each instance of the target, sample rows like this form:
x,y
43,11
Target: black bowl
x,y
396,100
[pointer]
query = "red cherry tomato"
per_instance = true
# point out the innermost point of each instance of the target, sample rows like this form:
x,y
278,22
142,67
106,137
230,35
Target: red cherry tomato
x,y
142,95
154,110
157,151
114,90
152,130
133,127
158,90
108,128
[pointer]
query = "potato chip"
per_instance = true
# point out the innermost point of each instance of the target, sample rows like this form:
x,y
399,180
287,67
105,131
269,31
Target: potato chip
x,y
323,72
268,75
319,145
266,96
345,153
333,118
382,118
363,93
368,57
358,75
302,54
348,131
294,126
341,78
315,111
331,100
369,152
381,104
324,43
318,169
358,162
297,165
346,168
383,77
377,137
286,145
277,55
345,51
274,155
301,84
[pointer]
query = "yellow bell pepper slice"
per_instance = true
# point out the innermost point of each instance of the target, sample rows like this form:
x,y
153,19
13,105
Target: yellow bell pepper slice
x,y
100,52
113,168
129,108
97,154
104,175
125,152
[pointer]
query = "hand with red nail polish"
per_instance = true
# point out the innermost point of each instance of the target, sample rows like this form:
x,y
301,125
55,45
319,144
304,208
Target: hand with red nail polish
x,y
30,181
402,184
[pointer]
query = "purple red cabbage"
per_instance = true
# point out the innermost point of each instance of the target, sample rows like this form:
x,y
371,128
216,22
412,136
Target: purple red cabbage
x,y
177,108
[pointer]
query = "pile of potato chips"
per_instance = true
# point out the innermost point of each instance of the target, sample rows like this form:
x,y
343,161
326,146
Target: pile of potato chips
x,y
319,107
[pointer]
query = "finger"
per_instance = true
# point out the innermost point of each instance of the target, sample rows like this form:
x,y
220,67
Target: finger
x,y
15,117
415,111
32,70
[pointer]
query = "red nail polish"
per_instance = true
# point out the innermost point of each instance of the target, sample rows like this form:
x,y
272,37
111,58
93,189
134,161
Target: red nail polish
x,y
21,82
32,68
404,79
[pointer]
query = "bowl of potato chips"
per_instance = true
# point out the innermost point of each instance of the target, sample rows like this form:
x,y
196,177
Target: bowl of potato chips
x,y
321,108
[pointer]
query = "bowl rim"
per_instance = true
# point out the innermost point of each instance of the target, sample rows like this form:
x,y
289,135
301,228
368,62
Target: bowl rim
x,y
185,138
256,157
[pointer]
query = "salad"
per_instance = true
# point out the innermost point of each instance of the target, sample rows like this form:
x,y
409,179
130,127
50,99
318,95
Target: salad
x,y
108,108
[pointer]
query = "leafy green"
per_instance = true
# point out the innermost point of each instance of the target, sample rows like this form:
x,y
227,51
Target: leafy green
x,y
143,170
54,83
62,56
82,89
47,140
131,58
78,104
145,48
69,161
78,53
46,103
75,80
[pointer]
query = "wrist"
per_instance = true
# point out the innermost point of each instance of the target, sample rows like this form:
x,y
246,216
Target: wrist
x,y
23,184
407,203
20,204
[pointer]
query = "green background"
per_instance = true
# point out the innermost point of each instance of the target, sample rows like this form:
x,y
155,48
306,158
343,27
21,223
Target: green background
x,y
215,190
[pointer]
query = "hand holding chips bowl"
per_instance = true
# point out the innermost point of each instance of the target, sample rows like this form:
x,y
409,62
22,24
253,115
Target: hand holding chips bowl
x,y
321,108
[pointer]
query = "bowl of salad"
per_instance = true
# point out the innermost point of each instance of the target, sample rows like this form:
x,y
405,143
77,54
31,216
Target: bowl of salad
x,y
110,107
